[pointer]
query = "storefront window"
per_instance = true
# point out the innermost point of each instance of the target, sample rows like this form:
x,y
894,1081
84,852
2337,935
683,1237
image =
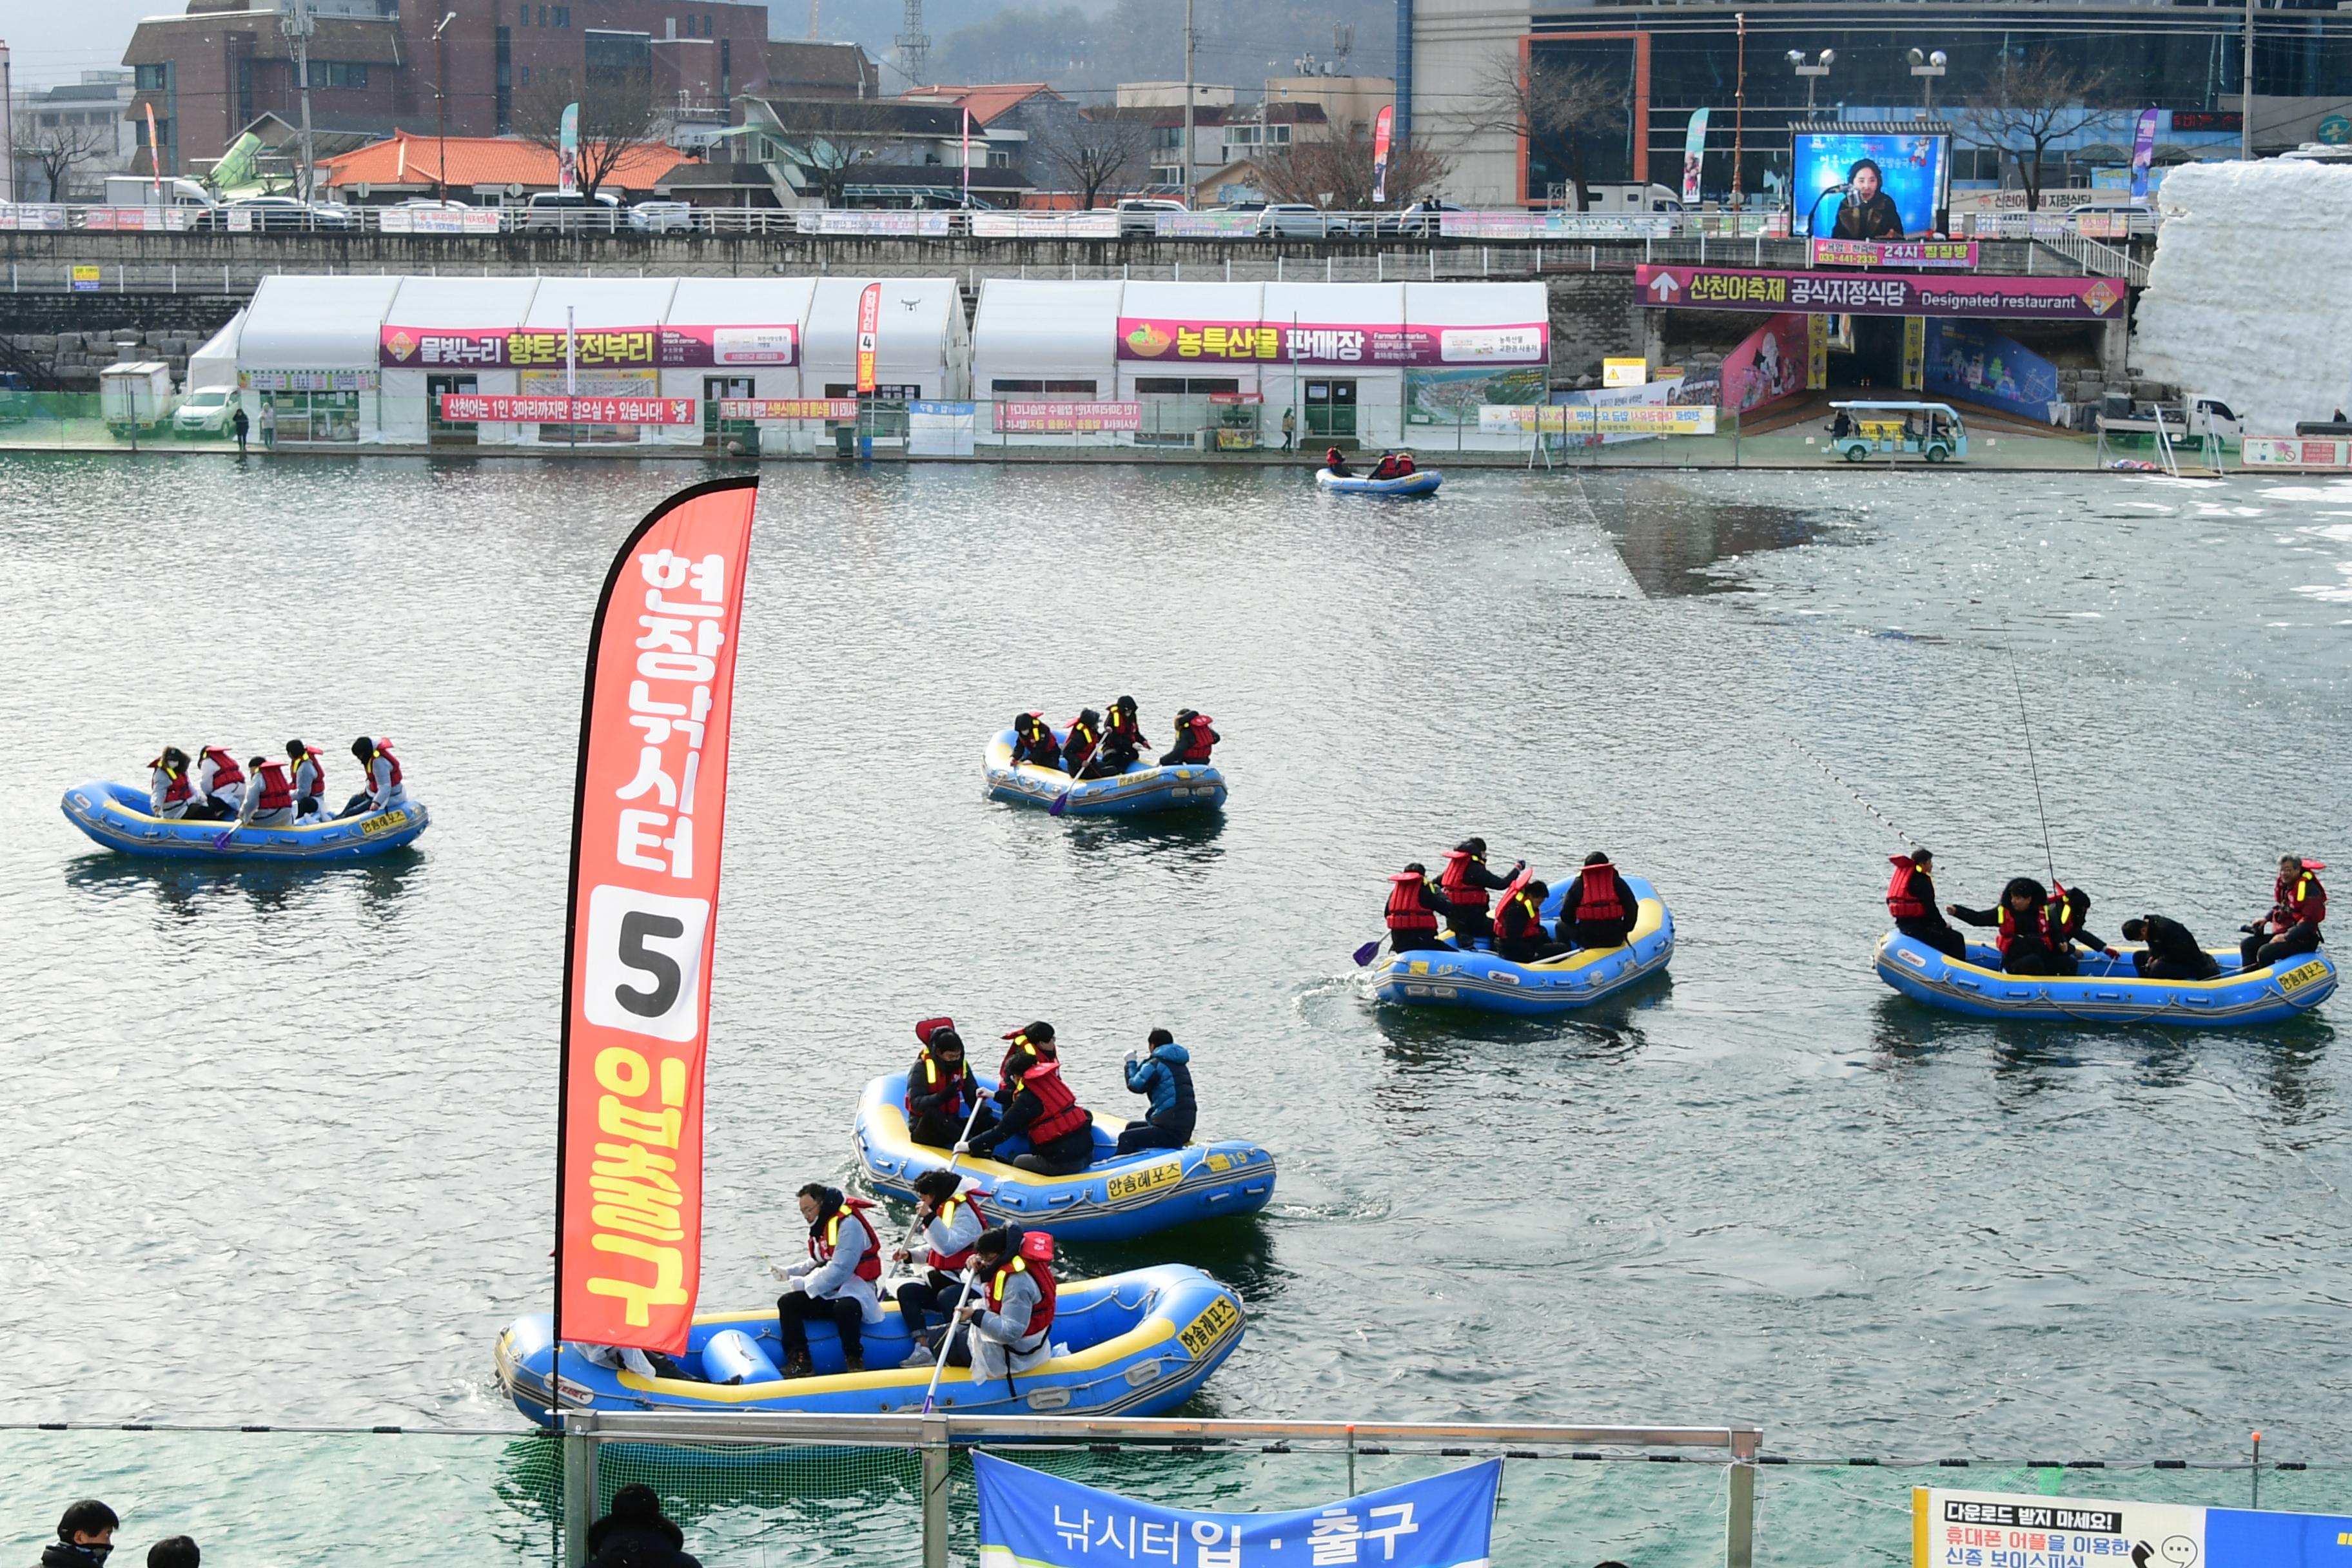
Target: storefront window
x,y
312,418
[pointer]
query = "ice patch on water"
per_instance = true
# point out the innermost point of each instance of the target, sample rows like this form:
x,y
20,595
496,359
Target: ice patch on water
x,y
2340,532
2342,492
2329,592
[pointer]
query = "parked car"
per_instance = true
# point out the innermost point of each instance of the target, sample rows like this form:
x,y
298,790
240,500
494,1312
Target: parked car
x,y
1420,218
662,217
427,204
1140,215
550,210
273,213
1300,220
206,411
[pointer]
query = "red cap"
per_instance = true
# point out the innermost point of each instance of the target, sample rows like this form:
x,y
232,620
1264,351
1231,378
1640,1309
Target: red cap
x,y
1038,1246
929,1026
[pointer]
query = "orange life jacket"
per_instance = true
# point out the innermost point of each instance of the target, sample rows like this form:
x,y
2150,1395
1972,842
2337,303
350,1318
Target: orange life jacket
x,y
1597,899
277,794
822,1248
1455,884
1060,1113
1408,903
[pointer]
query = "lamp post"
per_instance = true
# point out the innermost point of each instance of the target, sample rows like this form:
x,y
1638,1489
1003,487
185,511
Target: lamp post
x,y
1811,72
441,109
1928,68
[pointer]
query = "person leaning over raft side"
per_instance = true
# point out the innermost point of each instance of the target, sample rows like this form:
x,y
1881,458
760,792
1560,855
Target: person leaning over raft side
x,y
1033,741
1335,465
1080,752
2172,952
1519,933
836,1282
269,798
949,1221
940,1089
170,790
1466,882
1598,908
2023,935
384,790
635,1534
220,785
1123,739
1007,1323
309,779
85,1536
1161,1070
1195,739
1060,1130
2298,903
2063,924
1911,900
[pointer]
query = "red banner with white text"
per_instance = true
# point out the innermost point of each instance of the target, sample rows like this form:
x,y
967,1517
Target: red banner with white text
x,y
646,827
496,408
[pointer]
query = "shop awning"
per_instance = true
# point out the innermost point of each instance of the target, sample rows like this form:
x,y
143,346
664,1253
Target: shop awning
x,y
299,322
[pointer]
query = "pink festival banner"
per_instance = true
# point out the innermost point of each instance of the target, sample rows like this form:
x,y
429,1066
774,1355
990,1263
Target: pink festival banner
x,y
1659,288
1168,340
596,348
1895,253
483,408
1014,418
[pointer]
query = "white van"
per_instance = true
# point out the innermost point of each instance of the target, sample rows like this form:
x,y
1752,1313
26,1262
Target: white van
x,y
138,190
1632,199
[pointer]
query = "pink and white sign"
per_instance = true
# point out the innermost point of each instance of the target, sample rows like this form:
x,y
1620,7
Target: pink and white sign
x,y
597,348
1169,339
474,408
1895,253
1768,365
1661,288
2296,452
1017,418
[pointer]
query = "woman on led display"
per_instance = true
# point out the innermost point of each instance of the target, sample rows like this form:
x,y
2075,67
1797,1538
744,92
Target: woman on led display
x,y
1867,212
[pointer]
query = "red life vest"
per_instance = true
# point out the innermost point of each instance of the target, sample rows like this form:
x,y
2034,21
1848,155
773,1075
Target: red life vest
x,y
277,794
2060,918
2301,898
869,1267
1018,1055
953,1262
1405,464
224,768
931,1076
1197,738
1061,1114
1041,1315
1455,884
2008,932
1122,725
310,755
383,750
1408,907
1903,899
1519,901
178,788
1082,740
1597,897
1385,468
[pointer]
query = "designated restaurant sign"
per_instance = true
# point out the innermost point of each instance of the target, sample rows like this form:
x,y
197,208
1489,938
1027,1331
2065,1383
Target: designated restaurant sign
x,y
1984,1530
1661,288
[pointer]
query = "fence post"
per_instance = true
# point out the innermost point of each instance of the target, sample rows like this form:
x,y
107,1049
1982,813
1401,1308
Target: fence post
x,y
938,1466
1739,1529
579,1485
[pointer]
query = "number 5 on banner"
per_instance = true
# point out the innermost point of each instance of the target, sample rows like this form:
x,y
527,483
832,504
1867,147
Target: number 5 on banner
x,y
645,962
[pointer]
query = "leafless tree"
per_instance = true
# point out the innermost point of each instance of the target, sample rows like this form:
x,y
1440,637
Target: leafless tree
x,y
1564,109
831,137
1091,156
618,115
1336,173
55,150
2027,105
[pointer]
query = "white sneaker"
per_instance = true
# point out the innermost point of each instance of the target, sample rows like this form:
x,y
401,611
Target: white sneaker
x,y
920,1357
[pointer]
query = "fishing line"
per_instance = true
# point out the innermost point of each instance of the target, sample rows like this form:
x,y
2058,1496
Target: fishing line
x,y
2048,860
1830,775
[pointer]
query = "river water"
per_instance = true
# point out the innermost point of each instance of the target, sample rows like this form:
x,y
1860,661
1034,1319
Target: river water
x,y
283,1142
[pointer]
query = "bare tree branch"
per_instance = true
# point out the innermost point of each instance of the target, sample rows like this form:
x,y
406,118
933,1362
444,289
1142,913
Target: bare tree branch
x,y
831,137
617,117
54,150
1336,173
1565,110
1093,155
2029,104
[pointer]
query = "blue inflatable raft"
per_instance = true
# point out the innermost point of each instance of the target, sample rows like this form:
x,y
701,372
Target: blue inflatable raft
x,y
1424,483
1138,1344
118,816
1111,1200
1144,786
1583,978
2106,991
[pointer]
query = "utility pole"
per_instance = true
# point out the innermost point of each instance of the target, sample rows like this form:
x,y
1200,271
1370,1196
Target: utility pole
x,y
1738,117
2246,99
441,109
297,23
8,134
914,44
1188,101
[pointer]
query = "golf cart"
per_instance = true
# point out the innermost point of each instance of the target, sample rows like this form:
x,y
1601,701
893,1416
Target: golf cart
x,y
1929,430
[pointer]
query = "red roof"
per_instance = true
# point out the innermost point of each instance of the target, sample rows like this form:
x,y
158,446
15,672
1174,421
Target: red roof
x,y
406,160
986,103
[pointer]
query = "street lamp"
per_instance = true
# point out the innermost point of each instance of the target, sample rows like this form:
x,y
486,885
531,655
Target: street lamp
x,y
1928,68
1811,73
441,109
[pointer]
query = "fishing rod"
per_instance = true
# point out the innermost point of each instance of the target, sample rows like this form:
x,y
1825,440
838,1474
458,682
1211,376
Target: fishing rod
x,y
2048,860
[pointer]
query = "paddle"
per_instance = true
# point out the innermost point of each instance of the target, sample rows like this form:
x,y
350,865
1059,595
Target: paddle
x,y
962,1137
947,1337
220,841
1364,953
1062,801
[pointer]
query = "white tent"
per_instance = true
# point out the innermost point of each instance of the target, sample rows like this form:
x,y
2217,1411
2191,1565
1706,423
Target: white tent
x,y
1341,371
1179,355
425,305
307,356
753,329
215,365
613,323
1491,343
1035,342
922,346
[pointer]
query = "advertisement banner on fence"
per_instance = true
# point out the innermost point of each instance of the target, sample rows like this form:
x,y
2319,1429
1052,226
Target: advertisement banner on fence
x,y
1971,1530
428,220
1066,418
1572,419
1049,225
488,408
1895,253
149,218
2295,452
32,214
648,816
1163,338
940,429
1885,294
1202,226
836,221
1512,224
1029,1518
518,348
775,410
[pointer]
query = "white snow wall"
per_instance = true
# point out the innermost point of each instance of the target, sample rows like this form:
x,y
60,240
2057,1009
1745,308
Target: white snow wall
x,y
2250,298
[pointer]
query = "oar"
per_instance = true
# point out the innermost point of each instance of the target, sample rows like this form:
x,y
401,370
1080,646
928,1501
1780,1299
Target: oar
x,y
955,1154
1062,801
947,1338
220,841
1364,953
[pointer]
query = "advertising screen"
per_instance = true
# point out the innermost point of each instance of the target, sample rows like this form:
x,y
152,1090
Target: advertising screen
x,y
1894,185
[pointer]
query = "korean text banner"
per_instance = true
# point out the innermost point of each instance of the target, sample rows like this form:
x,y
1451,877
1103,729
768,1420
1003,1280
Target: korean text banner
x,y
593,348
1169,340
1031,1519
1969,1530
1660,287
646,827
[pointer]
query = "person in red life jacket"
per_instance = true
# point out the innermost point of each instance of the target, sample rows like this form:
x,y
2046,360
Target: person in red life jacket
x,y
385,789
1519,933
1465,881
1081,752
1335,465
1060,1131
2023,933
836,1284
1007,1325
269,798
1911,900
1386,469
948,1220
1029,1043
1033,741
1123,739
220,785
1405,465
1195,738
2298,903
170,790
941,1088
2061,922
1598,908
2173,951
1415,905
309,778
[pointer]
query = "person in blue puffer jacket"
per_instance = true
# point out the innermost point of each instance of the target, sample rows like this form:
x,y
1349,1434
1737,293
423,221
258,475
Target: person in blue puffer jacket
x,y
1162,1071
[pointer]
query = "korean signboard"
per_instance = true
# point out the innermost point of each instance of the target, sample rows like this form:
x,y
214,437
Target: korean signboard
x,y
1997,1530
1661,288
1166,340
594,348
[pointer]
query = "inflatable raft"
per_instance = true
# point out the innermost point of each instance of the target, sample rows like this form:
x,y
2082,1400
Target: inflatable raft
x,y
1144,786
1111,1200
1138,1344
2106,991
1424,483
118,816
1583,978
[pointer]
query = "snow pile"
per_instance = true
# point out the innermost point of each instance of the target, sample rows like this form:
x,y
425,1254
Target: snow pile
x,y
2250,298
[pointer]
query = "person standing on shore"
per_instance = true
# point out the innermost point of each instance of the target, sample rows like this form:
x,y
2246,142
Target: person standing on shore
x,y
240,424
1289,427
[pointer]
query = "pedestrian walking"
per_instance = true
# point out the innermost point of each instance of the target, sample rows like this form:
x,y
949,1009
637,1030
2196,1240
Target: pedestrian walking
x,y
1289,427
241,424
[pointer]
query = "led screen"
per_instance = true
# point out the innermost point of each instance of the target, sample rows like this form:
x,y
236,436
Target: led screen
x,y
1900,182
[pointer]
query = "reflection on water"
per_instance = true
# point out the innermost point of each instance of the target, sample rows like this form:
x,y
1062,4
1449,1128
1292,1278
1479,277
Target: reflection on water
x,y
1675,533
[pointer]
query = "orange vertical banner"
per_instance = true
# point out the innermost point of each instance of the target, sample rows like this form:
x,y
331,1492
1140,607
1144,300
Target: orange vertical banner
x,y
647,819
869,334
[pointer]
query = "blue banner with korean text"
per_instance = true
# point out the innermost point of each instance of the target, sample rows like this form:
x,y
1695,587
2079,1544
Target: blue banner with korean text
x,y
1031,1519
